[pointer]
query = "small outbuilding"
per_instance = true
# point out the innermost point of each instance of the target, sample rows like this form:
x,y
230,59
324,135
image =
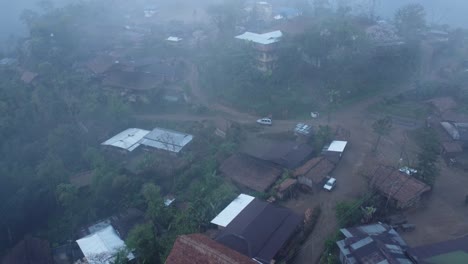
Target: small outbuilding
x,y
336,147
101,246
82,179
443,104
457,131
314,171
451,149
402,190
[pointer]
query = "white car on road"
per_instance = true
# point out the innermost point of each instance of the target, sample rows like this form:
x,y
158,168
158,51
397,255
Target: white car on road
x,y
330,184
265,121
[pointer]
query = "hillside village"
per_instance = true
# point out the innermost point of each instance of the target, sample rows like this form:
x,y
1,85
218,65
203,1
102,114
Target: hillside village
x,y
239,132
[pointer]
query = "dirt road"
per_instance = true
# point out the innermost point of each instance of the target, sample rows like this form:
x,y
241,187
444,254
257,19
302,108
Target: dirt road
x,y
354,118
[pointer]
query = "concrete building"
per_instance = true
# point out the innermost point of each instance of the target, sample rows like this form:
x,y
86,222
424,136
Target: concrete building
x,y
265,46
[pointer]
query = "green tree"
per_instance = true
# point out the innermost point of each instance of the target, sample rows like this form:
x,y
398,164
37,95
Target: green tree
x,y
381,127
143,240
226,16
428,156
348,213
410,21
67,195
121,257
323,136
155,210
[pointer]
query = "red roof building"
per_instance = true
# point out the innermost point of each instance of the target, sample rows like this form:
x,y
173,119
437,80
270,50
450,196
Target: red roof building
x,y
200,249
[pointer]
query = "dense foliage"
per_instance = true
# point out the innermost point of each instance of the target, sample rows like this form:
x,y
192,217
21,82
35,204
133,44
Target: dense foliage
x,y
333,53
51,130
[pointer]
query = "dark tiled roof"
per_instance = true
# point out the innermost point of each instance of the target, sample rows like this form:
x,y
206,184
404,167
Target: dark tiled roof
x,y
293,157
398,186
260,230
288,154
442,250
199,249
101,64
253,173
132,80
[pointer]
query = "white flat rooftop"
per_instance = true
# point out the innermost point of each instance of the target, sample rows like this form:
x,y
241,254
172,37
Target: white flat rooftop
x,y
128,139
166,139
100,247
174,39
265,39
232,210
338,146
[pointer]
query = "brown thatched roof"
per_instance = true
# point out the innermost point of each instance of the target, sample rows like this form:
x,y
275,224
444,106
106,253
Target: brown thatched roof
x,y
315,169
452,147
398,186
82,179
132,80
253,173
443,104
288,183
101,64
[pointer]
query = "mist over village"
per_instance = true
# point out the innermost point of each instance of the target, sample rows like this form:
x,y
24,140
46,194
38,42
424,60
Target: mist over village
x,y
233,132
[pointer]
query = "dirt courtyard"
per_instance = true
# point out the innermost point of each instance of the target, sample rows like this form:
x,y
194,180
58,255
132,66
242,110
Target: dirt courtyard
x,y
443,214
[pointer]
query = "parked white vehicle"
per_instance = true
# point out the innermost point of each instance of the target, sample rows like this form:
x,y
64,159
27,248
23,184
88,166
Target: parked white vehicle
x,y
303,129
408,171
330,184
314,114
265,121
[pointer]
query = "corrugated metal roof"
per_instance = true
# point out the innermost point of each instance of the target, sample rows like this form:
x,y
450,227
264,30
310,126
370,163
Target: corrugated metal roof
x,y
128,139
375,243
265,39
168,140
232,210
101,246
361,243
337,146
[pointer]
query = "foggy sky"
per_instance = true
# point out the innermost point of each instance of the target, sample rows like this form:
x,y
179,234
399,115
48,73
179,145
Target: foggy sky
x,y
452,12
